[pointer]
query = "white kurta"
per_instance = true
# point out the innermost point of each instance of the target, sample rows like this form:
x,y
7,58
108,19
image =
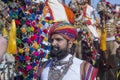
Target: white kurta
x,y
72,74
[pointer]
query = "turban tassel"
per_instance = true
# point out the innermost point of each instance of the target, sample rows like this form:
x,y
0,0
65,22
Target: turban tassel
x,y
103,40
12,47
4,32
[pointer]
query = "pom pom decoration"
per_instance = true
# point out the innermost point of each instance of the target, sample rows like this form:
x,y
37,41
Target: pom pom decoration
x,y
36,54
28,29
17,22
28,67
31,49
23,30
22,58
20,50
32,29
27,50
19,41
33,37
45,31
30,41
16,57
35,45
40,25
46,39
27,58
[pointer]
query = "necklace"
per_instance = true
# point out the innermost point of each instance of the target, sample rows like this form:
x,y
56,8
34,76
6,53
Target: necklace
x,y
58,74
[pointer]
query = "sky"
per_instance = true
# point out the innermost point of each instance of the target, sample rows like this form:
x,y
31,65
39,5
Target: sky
x,y
94,2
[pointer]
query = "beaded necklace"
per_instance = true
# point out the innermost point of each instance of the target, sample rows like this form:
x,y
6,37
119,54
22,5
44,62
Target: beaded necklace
x,y
58,74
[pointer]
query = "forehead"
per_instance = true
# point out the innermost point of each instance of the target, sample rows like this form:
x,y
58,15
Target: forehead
x,y
57,36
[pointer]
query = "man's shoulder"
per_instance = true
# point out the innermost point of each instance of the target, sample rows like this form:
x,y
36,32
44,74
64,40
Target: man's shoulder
x,y
41,67
76,64
45,63
88,69
86,64
77,61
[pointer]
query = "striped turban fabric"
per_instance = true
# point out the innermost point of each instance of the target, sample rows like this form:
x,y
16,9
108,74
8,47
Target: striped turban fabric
x,y
64,29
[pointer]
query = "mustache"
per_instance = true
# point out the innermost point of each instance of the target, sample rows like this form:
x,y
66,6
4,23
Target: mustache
x,y
55,48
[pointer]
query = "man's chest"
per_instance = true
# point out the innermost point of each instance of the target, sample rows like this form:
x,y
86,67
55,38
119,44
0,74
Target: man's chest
x,y
70,75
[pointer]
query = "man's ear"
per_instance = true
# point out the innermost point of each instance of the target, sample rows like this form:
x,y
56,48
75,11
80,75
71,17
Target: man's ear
x,y
70,43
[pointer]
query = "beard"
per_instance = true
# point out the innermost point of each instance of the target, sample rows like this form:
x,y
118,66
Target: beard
x,y
58,53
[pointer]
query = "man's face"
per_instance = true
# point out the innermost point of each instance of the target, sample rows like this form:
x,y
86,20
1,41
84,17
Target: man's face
x,y
59,46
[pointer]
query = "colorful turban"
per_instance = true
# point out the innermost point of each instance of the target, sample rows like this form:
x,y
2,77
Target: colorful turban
x,y
64,29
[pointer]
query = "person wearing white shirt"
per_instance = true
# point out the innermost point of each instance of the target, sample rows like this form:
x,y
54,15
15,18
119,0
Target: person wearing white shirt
x,y
63,65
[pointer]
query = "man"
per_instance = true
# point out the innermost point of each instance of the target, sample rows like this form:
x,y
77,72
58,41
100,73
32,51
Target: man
x,y
63,65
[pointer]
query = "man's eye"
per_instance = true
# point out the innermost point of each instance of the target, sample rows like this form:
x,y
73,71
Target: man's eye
x,y
58,39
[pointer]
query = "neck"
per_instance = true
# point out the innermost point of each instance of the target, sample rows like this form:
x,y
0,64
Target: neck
x,y
66,58
62,56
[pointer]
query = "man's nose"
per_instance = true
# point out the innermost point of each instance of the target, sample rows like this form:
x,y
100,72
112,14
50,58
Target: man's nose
x,y
53,43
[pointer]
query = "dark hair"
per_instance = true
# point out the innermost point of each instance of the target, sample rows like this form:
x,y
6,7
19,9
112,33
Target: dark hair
x,y
72,50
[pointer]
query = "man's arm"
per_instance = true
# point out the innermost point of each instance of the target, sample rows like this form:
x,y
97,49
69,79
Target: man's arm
x,y
3,46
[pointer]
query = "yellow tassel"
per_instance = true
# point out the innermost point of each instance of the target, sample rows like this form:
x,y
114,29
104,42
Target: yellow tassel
x,y
103,40
12,47
4,32
118,73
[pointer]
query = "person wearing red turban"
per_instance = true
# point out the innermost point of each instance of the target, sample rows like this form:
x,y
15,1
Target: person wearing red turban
x,y
63,65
